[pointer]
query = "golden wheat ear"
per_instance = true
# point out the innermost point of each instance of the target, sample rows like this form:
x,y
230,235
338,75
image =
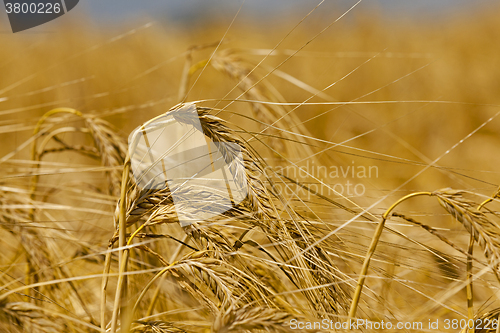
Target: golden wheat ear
x,y
485,231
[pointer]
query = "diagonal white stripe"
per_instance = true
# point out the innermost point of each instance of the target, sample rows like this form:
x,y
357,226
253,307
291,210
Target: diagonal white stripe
x,y
64,6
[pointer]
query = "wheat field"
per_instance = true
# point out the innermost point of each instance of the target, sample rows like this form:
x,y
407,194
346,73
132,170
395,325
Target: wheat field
x,y
365,147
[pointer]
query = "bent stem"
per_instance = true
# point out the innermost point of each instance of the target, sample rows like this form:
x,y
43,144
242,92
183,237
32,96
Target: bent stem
x,y
34,180
160,274
152,305
35,156
371,250
490,199
146,288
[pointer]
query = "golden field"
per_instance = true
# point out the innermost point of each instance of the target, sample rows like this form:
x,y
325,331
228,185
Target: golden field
x,y
372,131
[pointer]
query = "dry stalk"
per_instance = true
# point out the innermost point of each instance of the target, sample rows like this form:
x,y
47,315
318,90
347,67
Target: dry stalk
x,y
481,229
371,251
